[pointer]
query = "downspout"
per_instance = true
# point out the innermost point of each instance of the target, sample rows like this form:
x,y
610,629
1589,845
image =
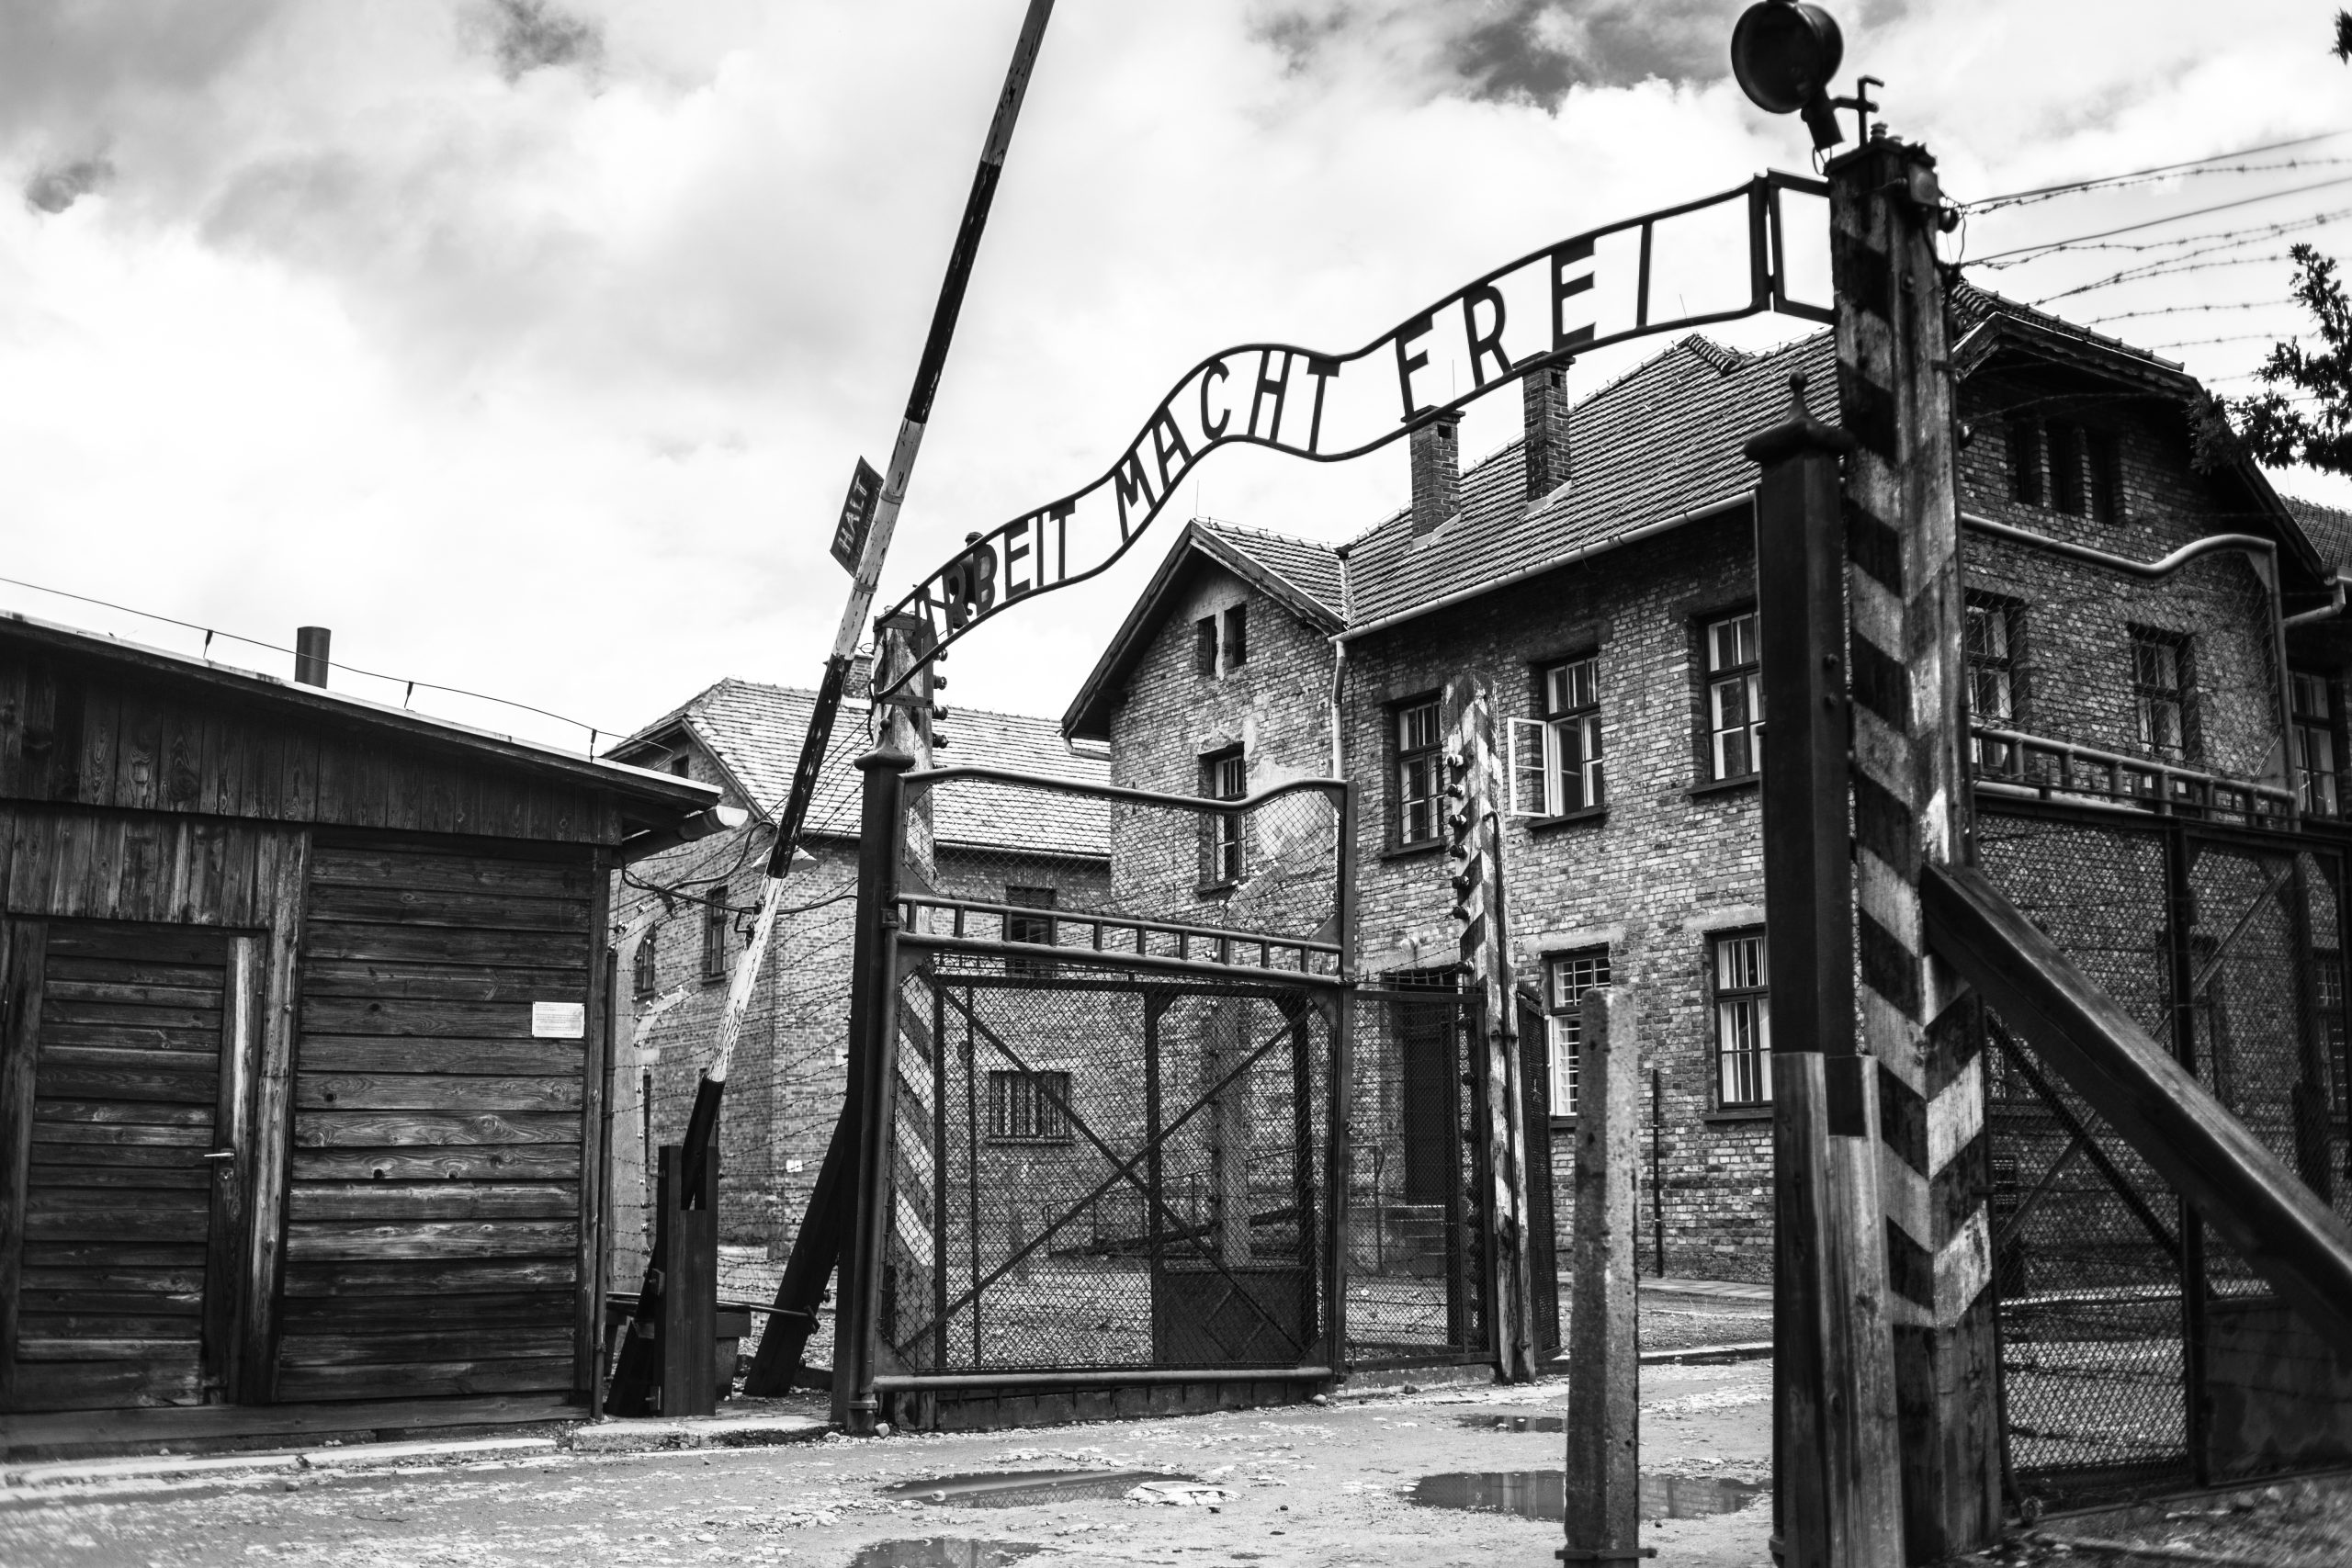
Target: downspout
x,y
1338,678
2265,553
2328,611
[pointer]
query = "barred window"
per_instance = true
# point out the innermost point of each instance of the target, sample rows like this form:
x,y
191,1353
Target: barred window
x,y
1743,1008
1734,697
1567,977
643,975
2160,670
1418,772
713,938
2313,739
1028,1108
1225,775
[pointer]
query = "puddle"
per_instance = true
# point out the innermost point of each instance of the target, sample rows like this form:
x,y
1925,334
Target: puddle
x,y
1020,1488
1542,1494
1515,1423
943,1551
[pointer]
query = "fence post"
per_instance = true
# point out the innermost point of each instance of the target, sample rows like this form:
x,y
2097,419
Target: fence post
x,y
1475,791
1910,796
1339,1160
873,1048
1603,1519
1838,1487
689,1286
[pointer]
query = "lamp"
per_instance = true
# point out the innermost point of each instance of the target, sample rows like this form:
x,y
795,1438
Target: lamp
x,y
1785,54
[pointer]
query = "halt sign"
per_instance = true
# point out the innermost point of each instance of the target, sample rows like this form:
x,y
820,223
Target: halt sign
x,y
857,517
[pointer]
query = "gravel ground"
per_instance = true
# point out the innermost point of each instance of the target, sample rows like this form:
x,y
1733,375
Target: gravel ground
x,y
1326,1486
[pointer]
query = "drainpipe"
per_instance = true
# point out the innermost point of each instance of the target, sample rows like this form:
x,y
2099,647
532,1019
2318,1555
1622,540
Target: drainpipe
x,y
2265,554
1338,678
2328,611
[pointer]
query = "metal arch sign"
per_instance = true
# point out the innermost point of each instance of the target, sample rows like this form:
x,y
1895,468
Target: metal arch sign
x,y
1585,292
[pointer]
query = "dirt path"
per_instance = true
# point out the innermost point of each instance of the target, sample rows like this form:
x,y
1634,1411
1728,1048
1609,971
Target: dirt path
x,y
1324,1486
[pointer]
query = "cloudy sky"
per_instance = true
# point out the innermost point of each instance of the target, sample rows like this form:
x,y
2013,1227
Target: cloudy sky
x,y
528,343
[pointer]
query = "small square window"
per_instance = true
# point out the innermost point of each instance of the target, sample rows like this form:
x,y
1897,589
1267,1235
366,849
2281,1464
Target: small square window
x,y
1028,1108
1734,697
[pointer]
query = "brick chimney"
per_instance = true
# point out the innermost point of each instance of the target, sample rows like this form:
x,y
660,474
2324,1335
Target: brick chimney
x,y
1547,391
1437,472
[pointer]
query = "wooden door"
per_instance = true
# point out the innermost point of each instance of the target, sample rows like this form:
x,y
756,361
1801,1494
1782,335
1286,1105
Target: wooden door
x,y
126,1059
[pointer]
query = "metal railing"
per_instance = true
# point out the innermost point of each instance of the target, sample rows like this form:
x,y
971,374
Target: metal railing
x,y
2011,762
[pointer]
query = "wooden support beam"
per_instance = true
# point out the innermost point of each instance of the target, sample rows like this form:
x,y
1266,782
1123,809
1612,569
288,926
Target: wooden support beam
x,y
1603,1518
2250,1196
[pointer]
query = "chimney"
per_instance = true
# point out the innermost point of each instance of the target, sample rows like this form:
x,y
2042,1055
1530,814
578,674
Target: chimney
x,y
1437,472
1547,430
310,654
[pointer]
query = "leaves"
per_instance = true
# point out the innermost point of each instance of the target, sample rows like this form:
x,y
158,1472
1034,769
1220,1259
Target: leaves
x,y
2304,412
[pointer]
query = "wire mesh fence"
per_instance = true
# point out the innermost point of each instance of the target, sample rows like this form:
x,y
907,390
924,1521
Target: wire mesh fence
x,y
1098,1170
2138,1352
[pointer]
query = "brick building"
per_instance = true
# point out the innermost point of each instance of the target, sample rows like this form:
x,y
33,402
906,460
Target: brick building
x,y
682,919
1598,573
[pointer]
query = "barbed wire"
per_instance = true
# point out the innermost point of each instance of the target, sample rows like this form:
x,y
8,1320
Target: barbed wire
x,y
2159,170
2075,242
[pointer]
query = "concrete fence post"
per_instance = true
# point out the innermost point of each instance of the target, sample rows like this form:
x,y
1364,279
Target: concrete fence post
x,y
1603,1515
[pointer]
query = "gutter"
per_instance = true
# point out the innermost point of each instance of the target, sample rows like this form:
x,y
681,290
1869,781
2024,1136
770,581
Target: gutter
x,y
1615,541
2325,612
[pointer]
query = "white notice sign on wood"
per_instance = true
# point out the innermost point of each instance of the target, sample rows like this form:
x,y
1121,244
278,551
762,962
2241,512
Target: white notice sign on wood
x,y
559,1021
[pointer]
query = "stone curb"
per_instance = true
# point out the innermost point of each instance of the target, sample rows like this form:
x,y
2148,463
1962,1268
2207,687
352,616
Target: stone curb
x,y
354,1456
722,1432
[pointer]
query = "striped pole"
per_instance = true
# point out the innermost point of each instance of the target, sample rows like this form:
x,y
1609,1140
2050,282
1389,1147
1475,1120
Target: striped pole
x,y
1908,674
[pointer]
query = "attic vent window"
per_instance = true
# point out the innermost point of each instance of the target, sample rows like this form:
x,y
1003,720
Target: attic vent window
x,y
682,765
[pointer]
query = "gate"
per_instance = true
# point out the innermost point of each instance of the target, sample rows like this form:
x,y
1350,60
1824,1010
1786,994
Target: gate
x,y
1139,1143
2140,1354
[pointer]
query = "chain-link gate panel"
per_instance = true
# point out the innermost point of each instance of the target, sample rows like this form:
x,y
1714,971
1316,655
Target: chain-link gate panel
x,y
1543,1229
2087,1244
1415,1248
1099,1171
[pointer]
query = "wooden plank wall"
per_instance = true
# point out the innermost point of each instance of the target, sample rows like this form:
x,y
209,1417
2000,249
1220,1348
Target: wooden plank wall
x,y
66,735
435,1207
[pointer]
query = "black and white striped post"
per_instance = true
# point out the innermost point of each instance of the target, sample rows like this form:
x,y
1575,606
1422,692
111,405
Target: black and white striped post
x,y
1910,793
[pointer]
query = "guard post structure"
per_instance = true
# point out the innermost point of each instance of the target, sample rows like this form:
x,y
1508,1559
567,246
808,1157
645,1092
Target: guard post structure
x,y
1910,796
1837,1493
872,1034
1603,1515
690,1284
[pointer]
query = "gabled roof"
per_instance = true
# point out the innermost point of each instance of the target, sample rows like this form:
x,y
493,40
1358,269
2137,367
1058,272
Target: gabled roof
x,y
1301,575
1657,445
754,731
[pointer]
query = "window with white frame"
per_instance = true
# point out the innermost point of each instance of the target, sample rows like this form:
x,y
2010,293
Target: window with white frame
x,y
1419,774
1225,775
1734,697
1743,1007
1989,635
1555,762
1567,978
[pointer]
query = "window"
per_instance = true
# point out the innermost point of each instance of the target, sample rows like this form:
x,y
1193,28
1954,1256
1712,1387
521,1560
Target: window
x,y
1567,977
2025,461
1038,929
2160,669
2107,476
1237,638
1028,1108
2327,973
2313,740
714,942
1225,775
641,972
1205,646
1743,1020
1421,803
682,765
2066,467
1734,697
1555,765
1990,630
1226,633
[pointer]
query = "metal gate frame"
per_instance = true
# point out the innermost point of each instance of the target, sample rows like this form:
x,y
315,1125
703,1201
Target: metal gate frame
x,y
2172,1229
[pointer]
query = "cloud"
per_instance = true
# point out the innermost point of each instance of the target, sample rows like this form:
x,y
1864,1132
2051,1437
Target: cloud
x,y
523,36
52,191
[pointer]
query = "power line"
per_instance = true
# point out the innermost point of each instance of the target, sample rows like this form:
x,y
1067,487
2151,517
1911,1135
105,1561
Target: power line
x,y
2016,197
2153,222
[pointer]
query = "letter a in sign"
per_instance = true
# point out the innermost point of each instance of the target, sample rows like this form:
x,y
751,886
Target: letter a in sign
x,y
857,517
